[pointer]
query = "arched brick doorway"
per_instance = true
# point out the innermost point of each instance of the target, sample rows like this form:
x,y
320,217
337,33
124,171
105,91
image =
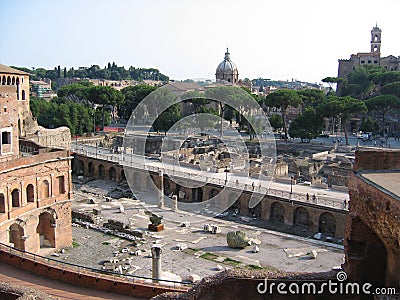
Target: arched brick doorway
x,y
301,217
30,193
15,198
112,174
2,203
212,193
366,255
197,194
46,230
16,236
81,167
277,214
327,224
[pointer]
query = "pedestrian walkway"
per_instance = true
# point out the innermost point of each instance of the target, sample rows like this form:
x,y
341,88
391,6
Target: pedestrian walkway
x,y
54,288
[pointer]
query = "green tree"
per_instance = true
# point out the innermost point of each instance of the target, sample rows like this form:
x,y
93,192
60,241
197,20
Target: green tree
x,y
367,124
132,97
392,88
282,99
306,126
77,92
234,95
342,107
105,96
383,104
310,97
276,121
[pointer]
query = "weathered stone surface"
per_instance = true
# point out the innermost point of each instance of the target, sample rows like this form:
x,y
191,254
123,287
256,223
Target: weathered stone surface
x,y
237,239
313,254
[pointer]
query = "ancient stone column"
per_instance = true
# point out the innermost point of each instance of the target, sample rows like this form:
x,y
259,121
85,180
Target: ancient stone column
x,y
156,257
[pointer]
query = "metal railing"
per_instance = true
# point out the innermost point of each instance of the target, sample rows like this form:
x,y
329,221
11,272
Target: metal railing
x,y
82,270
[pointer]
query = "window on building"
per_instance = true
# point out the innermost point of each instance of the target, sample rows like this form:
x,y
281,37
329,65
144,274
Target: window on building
x,y
61,184
6,137
363,61
5,109
369,61
23,95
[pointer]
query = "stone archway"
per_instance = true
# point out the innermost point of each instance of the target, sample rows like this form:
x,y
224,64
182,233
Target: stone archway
x,y
16,236
213,193
15,198
327,224
81,167
301,217
197,194
112,174
366,255
2,203
30,193
46,230
277,214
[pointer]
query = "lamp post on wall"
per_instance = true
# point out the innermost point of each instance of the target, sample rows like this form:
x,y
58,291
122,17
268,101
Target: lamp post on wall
x,y
226,174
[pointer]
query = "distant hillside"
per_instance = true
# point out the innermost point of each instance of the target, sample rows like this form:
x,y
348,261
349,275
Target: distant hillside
x,y
111,71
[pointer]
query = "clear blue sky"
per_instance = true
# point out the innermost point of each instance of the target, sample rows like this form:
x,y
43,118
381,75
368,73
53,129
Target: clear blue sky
x,y
282,39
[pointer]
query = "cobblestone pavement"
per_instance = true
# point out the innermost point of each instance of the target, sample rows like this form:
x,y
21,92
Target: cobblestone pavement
x,y
206,252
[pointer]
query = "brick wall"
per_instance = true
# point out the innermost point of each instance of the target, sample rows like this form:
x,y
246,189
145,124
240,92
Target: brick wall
x,y
377,160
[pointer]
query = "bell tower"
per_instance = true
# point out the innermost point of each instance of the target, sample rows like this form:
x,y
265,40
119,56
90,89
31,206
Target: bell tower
x,y
376,39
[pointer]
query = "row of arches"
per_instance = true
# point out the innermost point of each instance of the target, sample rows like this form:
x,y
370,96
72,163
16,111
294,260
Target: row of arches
x,y
302,218
11,80
45,231
99,171
277,212
30,194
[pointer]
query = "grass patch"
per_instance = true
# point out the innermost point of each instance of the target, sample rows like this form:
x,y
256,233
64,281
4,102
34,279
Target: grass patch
x,y
254,267
191,250
75,244
231,262
209,256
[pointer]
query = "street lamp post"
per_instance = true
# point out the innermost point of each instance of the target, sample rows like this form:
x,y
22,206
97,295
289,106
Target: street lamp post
x,y
291,184
226,174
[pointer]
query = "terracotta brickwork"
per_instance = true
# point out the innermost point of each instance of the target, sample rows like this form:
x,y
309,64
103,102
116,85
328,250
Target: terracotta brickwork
x,y
36,185
35,201
373,229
